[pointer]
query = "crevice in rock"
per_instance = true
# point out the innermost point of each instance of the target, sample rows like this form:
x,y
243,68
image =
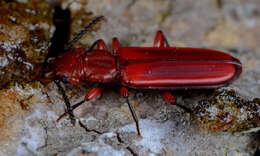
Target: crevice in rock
x,y
131,151
88,130
128,147
45,139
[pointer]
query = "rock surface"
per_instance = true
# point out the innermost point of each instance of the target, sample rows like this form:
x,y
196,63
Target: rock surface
x,y
25,31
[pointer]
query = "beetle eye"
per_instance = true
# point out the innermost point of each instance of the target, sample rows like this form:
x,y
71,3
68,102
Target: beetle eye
x,y
64,79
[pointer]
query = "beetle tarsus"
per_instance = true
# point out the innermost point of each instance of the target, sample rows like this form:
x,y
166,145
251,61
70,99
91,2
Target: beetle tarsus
x,y
134,116
61,116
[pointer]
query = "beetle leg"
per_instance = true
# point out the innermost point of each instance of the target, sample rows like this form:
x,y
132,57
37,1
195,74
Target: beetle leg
x,y
92,94
124,92
169,98
82,32
67,102
160,40
101,45
73,107
91,47
115,45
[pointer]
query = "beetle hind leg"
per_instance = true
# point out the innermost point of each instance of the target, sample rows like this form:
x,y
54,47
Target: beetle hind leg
x,y
160,40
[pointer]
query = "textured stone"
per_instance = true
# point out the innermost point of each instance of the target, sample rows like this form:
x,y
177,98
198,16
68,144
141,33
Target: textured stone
x,y
27,114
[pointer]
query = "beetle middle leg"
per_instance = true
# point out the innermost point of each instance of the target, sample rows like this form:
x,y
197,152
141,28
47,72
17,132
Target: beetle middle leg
x,y
124,92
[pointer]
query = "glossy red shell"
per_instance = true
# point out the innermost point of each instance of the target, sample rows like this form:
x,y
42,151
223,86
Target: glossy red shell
x,y
99,66
176,68
77,65
150,67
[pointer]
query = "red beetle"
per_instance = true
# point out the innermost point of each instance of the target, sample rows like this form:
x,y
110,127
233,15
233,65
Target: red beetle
x,y
158,67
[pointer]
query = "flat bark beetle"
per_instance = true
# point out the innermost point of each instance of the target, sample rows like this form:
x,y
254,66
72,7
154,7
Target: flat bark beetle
x,y
158,67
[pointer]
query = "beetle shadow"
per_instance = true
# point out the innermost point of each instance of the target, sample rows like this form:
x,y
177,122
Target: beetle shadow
x,y
147,102
99,107
151,101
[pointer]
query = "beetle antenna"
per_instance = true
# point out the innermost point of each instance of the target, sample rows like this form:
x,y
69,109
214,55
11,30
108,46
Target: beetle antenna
x,y
134,116
67,102
82,32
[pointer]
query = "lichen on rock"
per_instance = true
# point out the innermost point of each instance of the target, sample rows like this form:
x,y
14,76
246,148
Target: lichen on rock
x,y
25,31
226,110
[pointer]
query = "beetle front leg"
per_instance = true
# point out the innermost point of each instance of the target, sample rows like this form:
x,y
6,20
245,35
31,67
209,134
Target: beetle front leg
x,y
69,109
100,46
91,47
92,94
124,92
169,98
160,40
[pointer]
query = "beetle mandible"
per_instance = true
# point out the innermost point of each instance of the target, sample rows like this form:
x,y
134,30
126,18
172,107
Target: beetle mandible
x,y
158,67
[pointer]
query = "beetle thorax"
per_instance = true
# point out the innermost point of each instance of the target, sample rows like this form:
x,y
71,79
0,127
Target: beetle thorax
x,y
99,66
